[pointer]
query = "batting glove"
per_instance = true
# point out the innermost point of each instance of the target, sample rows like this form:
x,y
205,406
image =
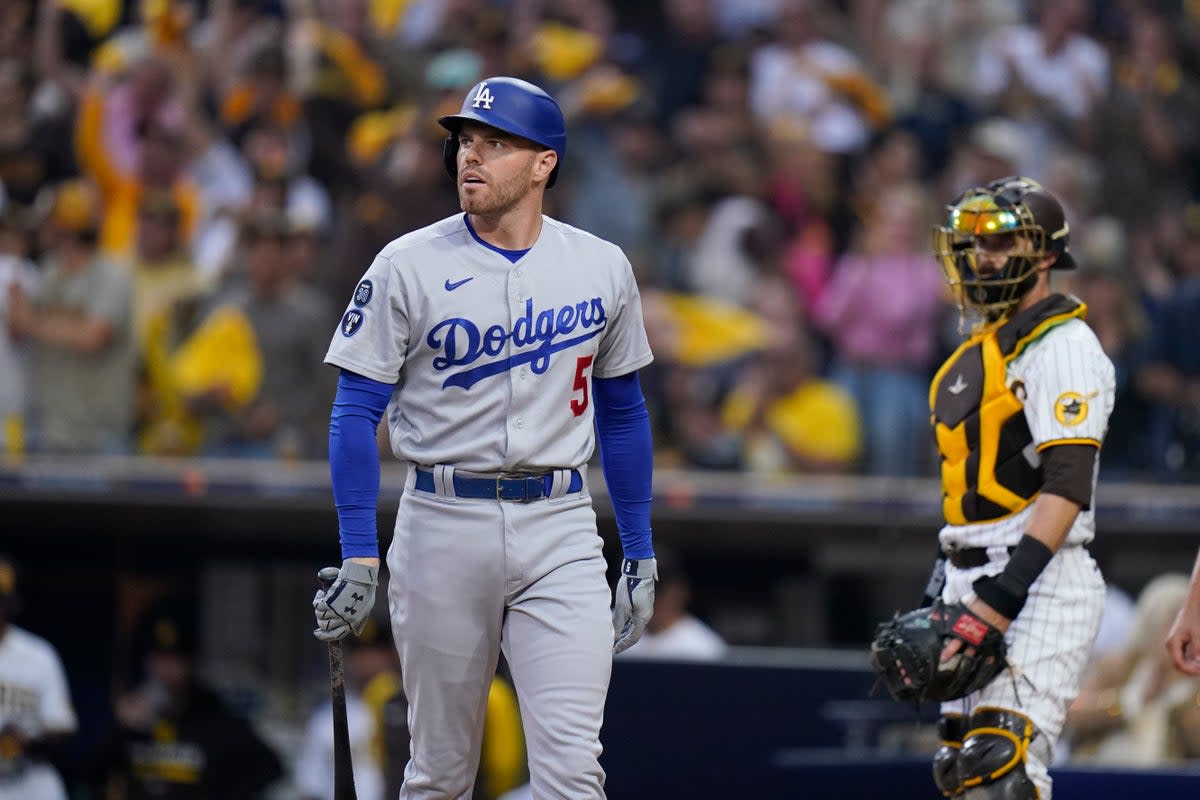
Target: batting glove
x,y
634,602
346,605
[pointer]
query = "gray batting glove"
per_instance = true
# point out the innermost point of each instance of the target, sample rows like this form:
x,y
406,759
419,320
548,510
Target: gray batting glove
x,y
344,607
634,601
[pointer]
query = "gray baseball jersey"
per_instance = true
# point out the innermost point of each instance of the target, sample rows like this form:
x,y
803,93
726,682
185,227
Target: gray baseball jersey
x,y
493,361
1068,386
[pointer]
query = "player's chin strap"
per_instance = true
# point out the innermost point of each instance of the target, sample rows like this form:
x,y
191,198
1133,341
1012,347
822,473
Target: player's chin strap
x,y
991,762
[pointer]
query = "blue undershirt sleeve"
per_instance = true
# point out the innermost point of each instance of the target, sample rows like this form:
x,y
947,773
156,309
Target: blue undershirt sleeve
x,y
627,458
354,461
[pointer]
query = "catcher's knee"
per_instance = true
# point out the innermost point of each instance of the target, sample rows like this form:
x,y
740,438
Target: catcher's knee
x,y
991,763
952,729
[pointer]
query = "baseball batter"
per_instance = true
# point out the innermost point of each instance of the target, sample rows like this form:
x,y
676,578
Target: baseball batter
x,y
498,340
35,705
1019,412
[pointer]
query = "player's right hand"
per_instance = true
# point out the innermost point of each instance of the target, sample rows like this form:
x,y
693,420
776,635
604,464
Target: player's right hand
x,y
345,606
1183,641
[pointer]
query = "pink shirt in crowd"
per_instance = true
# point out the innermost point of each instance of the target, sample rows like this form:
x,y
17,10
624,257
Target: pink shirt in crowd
x,y
882,310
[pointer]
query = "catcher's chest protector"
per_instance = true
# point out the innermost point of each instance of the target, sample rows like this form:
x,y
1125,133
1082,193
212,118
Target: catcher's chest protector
x,y
978,418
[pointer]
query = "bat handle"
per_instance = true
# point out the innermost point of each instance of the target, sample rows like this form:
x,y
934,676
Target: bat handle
x,y
343,769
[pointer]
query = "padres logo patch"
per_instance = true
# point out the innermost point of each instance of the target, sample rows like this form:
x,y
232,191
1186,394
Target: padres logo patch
x,y
1071,408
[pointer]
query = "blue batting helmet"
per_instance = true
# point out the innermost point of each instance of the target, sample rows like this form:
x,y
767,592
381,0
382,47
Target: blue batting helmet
x,y
513,106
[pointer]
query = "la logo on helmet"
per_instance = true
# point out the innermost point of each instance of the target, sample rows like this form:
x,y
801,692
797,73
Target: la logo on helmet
x,y
483,97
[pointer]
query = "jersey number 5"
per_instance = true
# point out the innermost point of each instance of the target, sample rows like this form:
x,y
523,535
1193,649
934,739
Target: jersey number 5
x,y
581,385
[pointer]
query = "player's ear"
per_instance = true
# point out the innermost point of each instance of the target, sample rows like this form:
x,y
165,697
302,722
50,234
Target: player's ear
x,y
543,164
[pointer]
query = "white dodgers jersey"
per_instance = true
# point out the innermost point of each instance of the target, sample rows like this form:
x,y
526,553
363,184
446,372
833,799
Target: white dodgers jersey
x,y
492,360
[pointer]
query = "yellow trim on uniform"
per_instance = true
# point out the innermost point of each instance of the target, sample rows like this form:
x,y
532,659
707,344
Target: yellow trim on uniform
x,y
1018,755
1055,442
1021,743
1043,327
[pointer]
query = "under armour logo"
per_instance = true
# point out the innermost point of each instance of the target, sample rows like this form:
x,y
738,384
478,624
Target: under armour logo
x,y
958,385
356,597
483,97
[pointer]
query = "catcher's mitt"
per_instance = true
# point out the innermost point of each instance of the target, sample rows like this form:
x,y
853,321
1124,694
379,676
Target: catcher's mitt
x,y
906,652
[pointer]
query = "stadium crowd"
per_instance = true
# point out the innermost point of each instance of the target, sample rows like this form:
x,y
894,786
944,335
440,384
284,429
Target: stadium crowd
x,y
191,188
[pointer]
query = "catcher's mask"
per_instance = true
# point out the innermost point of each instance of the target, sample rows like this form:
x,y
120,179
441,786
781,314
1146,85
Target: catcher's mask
x,y
1014,216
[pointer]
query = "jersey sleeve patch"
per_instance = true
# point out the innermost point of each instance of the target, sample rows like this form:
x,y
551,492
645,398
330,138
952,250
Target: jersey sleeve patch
x,y
363,292
352,322
1071,408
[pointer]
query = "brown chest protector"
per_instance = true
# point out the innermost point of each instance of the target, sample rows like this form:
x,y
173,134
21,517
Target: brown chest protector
x,y
989,467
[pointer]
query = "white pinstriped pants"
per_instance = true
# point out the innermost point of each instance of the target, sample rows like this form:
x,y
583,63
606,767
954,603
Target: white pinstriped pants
x,y
1049,642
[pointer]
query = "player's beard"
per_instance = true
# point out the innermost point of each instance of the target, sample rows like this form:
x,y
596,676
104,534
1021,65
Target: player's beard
x,y
498,198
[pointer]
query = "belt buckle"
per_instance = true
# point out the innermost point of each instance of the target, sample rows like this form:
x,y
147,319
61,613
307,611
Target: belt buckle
x,y
507,476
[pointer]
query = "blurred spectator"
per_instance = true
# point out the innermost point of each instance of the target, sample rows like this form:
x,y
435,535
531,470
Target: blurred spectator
x,y
1116,315
163,273
377,715
682,56
1171,376
879,311
291,324
173,737
16,270
1148,126
373,699
36,714
1134,709
1049,68
806,196
806,75
612,189
787,419
156,167
338,61
1116,623
33,152
674,632
79,324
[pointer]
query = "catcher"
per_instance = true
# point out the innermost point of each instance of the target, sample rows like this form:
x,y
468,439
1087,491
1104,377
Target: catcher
x,y
1019,412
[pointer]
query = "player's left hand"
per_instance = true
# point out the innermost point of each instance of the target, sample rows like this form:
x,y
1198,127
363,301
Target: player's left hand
x,y
345,607
634,601
986,613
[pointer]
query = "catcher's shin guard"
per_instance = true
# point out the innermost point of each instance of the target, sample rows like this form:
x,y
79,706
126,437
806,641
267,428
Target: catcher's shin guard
x,y
991,763
952,729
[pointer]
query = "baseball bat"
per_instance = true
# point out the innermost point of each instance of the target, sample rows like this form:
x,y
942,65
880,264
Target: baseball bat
x,y
343,766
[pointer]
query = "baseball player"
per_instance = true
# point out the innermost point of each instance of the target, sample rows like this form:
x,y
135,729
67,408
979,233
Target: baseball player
x,y
35,705
1019,412
498,340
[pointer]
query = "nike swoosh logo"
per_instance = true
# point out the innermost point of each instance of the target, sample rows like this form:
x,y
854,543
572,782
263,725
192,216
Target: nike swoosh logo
x,y
450,287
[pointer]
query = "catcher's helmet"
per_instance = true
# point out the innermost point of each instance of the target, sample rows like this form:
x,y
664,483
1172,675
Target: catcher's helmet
x,y
513,106
1014,205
